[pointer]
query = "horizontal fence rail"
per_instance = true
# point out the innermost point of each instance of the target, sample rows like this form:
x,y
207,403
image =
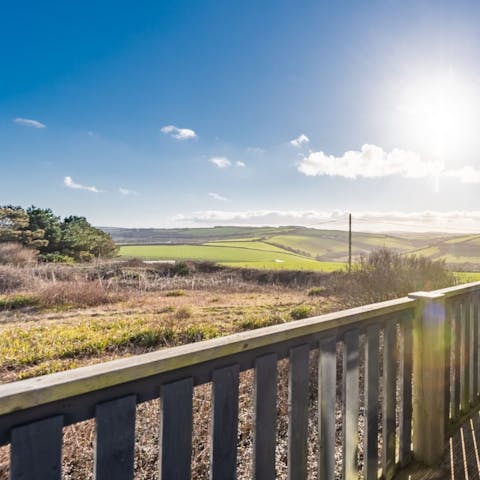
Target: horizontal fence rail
x,y
396,361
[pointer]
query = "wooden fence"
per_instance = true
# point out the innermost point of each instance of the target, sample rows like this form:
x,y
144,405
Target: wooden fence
x,y
421,362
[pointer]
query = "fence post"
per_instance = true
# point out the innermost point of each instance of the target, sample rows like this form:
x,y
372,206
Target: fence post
x,y
429,359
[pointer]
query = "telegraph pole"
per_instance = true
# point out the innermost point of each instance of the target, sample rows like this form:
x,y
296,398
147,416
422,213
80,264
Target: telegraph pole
x,y
349,242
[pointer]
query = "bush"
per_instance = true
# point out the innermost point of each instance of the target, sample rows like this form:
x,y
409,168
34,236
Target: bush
x,y
56,258
11,278
182,313
14,302
385,274
181,269
317,292
76,294
12,253
300,312
176,293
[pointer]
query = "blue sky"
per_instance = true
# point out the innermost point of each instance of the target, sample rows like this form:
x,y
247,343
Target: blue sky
x,y
254,112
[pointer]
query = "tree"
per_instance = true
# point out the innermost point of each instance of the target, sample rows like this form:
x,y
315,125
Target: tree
x,y
44,219
84,242
14,227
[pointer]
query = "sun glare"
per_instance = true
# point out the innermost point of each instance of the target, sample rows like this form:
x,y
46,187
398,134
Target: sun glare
x,y
441,112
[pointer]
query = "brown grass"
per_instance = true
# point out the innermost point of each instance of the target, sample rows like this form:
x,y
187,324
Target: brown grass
x,y
12,253
78,294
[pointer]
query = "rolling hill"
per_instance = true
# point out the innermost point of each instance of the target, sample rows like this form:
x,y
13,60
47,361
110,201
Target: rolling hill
x,y
288,246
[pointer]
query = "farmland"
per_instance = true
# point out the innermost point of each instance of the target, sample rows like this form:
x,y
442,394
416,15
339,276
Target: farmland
x,y
289,248
238,254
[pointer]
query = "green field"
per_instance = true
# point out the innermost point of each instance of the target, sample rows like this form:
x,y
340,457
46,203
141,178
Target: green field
x,y
237,254
290,247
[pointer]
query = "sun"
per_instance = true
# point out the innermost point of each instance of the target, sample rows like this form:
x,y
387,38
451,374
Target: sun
x,y
441,111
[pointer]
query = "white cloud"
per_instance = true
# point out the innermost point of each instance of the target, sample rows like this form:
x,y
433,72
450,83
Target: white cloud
x,y
217,196
370,162
126,191
68,182
373,162
366,221
221,162
299,141
466,174
28,122
178,133
240,164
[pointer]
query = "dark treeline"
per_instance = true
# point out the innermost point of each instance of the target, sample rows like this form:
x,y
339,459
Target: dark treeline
x,y
70,239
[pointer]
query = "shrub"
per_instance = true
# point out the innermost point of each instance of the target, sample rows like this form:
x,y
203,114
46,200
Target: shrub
x,y
56,258
182,313
317,292
12,253
176,293
300,312
14,302
386,274
181,269
76,294
11,278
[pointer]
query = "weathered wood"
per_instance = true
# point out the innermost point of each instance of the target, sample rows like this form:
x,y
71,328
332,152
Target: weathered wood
x,y
327,374
36,450
63,385
115,439
474,348
465,355
405,380
429,438
457,290
457,343
298,413
176,401
224,423
350,404
448,362
265,408
371,389
389,394
476,319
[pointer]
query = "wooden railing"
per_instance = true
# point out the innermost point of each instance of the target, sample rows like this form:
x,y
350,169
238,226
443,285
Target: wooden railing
x,y
430,338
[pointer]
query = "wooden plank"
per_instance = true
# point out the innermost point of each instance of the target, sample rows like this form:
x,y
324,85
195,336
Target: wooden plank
x,y
36,450
62,385
458,290
115,439
265,423
327,375
448,362
475,345
473,350
298,413
457,344
372,371
388,410
350,405
465,353
224,423
176,401
405,379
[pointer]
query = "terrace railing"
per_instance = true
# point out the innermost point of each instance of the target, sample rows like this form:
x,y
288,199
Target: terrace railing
x,y
409,371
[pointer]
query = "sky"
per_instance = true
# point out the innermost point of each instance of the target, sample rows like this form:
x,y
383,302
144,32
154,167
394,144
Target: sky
x,y
187,113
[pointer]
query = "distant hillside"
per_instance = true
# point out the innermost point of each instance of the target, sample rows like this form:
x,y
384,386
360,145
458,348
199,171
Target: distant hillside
x,y
165,236
309,243
464,249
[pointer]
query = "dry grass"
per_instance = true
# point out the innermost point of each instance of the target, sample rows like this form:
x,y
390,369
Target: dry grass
x,y
100,312
12,253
